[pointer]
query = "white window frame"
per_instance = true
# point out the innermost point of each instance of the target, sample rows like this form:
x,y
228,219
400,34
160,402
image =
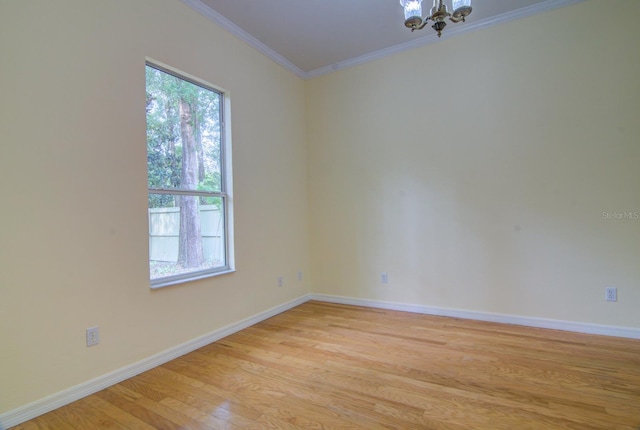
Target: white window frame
x,y
225,193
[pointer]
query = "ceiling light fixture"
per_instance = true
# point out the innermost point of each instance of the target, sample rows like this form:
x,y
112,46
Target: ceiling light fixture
x,y
414,20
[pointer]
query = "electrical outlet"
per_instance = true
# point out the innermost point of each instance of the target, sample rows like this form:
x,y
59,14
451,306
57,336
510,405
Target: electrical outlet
x,y
612,294
93,336
384,278
300,276
280,281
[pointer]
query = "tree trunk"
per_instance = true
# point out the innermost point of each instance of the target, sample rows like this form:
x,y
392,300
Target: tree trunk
x,y
190,253
199,149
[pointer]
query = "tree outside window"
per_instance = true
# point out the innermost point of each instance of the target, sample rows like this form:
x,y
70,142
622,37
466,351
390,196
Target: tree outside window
x,y
186,175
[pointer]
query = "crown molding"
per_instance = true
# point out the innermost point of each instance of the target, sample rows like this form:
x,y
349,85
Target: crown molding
x,y
372,56
214,16
451,32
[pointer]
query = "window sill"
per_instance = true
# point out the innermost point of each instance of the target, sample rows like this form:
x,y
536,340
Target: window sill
x,y
167,282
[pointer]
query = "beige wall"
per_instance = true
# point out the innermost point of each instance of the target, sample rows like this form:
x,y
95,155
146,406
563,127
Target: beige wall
x,y
501,212
475,171
72,142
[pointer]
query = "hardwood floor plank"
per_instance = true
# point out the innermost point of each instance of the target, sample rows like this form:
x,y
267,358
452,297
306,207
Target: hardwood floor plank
x,y
100,418
202,404
52,421
76,417
129,405
234,405
38,423
332,366
120,417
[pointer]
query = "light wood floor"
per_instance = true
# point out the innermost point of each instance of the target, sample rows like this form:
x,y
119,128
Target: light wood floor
x,y
327,366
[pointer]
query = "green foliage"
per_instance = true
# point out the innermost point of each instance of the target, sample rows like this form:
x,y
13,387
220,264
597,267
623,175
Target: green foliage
x,y
210,182
164,145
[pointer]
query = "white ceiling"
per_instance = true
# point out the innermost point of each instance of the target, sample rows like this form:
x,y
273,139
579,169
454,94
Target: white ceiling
x,y
313,37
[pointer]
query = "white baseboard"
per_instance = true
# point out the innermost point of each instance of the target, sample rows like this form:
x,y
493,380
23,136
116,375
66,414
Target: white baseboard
x,y
579,327
54,401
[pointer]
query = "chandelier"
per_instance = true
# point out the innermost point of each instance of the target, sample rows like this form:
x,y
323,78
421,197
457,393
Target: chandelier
x,y
414,20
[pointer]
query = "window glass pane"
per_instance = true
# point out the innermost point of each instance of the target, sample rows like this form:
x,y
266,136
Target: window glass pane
x,y
200,247
184,128
213,229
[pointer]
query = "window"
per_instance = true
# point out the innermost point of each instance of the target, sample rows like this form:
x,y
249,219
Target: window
x,y
187,169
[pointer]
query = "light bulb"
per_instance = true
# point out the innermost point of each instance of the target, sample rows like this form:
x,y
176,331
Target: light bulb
x,y
460,3
412,8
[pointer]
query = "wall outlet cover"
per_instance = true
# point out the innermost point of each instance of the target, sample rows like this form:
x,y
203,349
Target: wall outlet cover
x,y
384,278
93,336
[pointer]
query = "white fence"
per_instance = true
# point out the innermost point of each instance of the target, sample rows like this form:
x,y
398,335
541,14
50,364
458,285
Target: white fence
x,y
164,231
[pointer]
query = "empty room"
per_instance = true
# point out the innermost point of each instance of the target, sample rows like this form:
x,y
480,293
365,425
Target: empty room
x,y
309,214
